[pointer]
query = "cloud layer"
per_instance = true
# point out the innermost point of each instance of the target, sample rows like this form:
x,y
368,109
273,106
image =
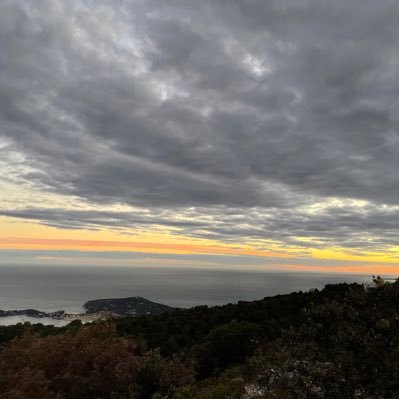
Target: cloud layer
x,y
233,120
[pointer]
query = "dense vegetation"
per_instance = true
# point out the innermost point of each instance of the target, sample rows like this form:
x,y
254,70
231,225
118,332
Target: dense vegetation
x,y
340,342
126,306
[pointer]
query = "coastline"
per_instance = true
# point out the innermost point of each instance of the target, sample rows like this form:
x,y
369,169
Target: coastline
x,y
98,309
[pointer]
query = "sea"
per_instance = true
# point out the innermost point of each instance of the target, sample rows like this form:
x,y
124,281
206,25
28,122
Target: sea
x,y
51,288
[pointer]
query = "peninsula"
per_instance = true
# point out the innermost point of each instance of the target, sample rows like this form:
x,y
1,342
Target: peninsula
x,y
99,309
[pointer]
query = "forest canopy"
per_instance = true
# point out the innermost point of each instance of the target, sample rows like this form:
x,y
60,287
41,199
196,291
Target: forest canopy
x,y
339,342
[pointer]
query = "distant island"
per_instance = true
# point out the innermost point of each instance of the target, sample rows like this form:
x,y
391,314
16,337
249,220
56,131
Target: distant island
x,y
99,309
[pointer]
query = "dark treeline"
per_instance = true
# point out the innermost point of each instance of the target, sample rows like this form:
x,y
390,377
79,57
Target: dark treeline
x,y
340,342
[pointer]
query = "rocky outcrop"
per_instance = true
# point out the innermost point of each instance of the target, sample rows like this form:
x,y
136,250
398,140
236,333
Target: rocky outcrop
x,y
315,380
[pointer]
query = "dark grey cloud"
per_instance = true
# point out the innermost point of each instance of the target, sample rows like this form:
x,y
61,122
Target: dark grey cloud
x,y
350,227
259,108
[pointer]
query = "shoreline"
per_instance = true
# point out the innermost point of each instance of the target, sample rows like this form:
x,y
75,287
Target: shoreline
x,y
98,309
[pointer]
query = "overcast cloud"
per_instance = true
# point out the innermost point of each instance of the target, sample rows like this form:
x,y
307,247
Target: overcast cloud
x,y
225,119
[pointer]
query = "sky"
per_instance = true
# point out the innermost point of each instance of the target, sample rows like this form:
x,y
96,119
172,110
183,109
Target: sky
x,y
212,133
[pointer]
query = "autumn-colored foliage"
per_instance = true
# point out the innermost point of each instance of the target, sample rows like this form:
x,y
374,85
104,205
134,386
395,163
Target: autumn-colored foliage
x,y
338,343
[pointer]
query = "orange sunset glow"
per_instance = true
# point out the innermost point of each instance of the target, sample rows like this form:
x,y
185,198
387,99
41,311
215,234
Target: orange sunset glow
x,y
199,199
234,142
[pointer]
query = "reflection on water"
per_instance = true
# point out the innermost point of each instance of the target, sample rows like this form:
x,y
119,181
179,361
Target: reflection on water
x,y
10,320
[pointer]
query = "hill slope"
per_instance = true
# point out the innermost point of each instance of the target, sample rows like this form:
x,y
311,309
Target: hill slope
x,y
125,306
340,342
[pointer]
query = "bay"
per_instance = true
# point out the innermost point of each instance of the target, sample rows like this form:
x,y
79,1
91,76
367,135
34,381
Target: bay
x,y
50,288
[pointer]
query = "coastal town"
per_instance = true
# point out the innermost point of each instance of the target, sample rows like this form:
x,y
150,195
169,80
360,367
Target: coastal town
x,y
99,309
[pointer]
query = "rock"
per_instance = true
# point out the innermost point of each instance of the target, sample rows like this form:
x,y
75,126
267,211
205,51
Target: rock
x,y
253,391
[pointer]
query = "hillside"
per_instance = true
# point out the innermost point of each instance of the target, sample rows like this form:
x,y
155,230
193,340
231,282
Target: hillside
x,y
340,342
125,306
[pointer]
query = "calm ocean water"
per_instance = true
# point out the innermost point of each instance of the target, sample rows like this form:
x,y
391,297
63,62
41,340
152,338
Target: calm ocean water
x,y
52,288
